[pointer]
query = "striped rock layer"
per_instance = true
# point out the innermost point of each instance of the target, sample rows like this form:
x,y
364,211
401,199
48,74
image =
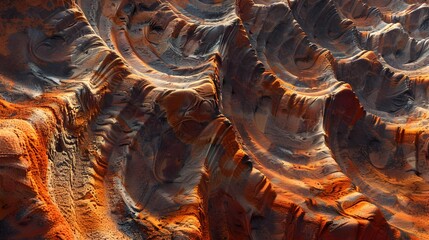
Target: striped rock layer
x,y
214,119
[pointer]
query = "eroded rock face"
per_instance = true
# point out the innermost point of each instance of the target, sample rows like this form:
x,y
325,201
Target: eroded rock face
x,y
214,119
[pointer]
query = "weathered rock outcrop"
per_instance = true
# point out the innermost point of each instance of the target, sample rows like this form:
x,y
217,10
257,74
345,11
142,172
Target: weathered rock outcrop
x,y
214,119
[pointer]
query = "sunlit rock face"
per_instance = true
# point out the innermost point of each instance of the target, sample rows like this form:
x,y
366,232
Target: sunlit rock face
x,y
214,119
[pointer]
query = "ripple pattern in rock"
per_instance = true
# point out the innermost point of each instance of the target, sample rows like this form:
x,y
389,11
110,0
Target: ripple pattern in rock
x,y
214,119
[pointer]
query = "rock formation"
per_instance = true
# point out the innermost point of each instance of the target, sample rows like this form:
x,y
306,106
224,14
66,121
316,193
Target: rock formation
x,y
214,119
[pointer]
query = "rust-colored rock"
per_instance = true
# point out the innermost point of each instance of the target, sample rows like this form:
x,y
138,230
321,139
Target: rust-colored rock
x,y
214,119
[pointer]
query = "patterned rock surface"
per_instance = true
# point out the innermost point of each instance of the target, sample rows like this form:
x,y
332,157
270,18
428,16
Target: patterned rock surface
x,y
214,119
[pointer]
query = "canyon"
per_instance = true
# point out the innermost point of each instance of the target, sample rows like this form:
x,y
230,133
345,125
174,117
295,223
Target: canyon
x,y
214,119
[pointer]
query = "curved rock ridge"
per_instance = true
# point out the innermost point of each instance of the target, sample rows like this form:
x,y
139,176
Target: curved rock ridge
x,y
214,119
